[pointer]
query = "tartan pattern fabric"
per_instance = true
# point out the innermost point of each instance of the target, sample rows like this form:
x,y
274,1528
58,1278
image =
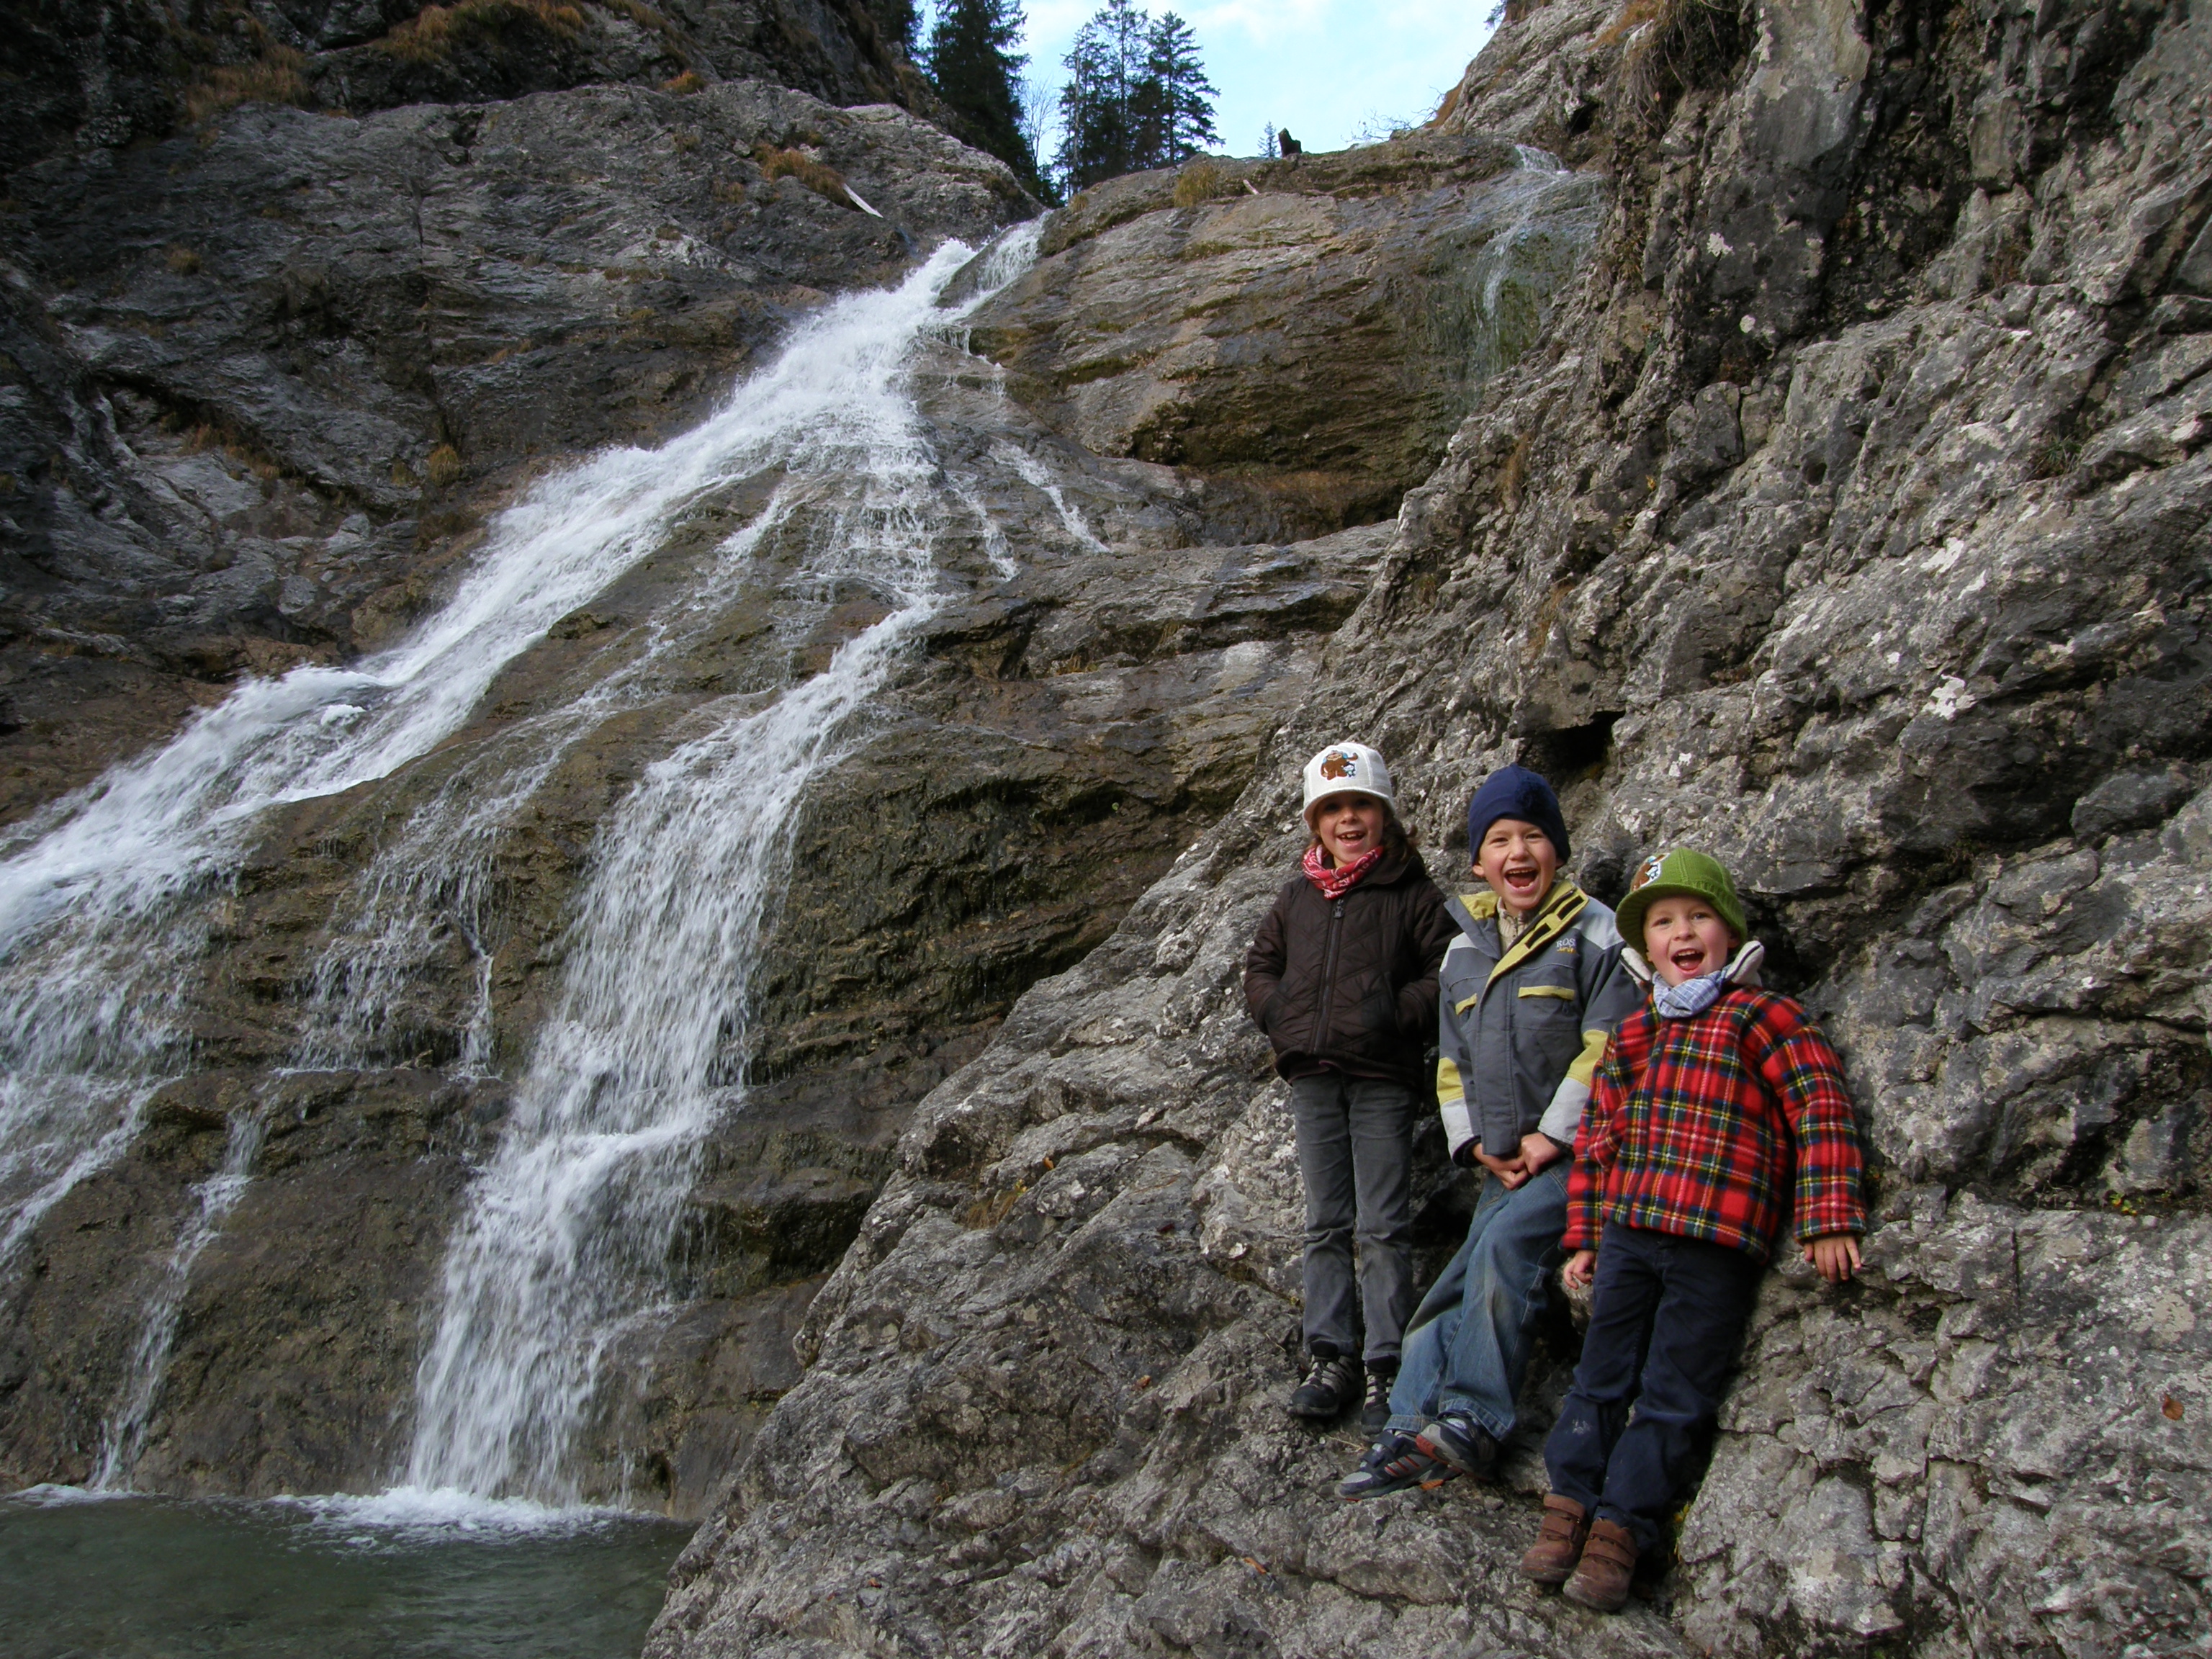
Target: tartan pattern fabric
x,y
1716,1126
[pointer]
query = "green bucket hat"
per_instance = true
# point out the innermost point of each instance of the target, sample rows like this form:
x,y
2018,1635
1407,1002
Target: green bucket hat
x,y
1681,873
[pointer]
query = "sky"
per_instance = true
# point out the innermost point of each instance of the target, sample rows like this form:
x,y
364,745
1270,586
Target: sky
x,y
1334,71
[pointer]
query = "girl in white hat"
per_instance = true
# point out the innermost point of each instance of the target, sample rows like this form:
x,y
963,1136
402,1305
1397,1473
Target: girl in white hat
x,y
1342,977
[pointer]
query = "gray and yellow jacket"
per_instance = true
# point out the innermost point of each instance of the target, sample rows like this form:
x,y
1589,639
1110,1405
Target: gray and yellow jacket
x,y
1522,1030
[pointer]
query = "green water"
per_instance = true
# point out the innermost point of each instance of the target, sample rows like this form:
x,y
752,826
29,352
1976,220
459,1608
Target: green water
x,y
150,1578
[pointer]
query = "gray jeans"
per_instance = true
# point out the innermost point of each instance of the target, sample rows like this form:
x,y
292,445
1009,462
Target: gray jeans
x,y
1355,1155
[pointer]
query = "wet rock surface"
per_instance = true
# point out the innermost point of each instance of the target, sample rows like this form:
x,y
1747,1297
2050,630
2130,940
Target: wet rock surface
x,y
1829,529
1313,329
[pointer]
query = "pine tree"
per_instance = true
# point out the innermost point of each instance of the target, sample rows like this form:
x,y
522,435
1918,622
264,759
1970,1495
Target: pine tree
x,y
1137,96
1099,106
979,78
1180,97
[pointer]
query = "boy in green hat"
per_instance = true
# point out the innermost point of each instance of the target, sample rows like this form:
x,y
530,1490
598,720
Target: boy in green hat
x,y
1718,1108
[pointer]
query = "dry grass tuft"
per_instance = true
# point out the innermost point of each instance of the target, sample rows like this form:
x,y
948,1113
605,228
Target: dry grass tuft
x,y
729,191
818,176
277,76
432,34
1514,476
1198,182
640,14
690,81
987,1213
1672,45
1633,16
442,465
182,260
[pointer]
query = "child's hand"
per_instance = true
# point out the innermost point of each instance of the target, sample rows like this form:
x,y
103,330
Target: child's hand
x,y
1580,1266
1538,1150
1510,1171
1836,1255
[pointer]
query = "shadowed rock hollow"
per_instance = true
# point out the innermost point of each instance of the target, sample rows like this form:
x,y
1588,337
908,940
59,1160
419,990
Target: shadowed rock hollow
x,y
1851,519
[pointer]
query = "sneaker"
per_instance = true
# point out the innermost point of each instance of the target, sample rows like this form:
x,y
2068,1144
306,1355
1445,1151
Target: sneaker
x,y
1375,1409
1394,1464
1460,1443
1330,1382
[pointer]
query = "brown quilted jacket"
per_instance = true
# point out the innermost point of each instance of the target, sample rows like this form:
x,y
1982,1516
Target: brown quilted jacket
x,y
1350,984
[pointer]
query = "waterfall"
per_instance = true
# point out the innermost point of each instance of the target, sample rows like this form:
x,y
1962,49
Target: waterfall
x,y
105,896
108,897
124,1436
567,1230
566,1234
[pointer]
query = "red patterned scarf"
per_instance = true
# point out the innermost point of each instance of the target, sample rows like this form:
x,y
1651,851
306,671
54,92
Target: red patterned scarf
x,y
1335,882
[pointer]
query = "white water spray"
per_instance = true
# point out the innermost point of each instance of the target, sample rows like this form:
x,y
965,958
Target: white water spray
x,y
124,1436
104,897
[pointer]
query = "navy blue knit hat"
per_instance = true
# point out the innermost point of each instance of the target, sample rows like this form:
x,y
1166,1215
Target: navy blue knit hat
x,y
1514,792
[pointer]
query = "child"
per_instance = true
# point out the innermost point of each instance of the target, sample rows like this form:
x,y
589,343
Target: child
x,y
1342,977
1716,1104
1531,989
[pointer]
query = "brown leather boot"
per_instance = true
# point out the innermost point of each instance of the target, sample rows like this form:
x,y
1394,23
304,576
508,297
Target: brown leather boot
x,y
1601,1578
1559,1545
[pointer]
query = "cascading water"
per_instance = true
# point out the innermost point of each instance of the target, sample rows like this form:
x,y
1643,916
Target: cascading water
x,y
104,897
107,898
567,1230
124,1436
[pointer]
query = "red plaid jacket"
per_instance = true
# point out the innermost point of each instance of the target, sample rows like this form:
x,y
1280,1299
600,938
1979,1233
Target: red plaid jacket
x,y
1707,1127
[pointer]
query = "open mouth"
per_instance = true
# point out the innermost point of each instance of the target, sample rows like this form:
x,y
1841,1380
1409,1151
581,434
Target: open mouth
x,y
1688,959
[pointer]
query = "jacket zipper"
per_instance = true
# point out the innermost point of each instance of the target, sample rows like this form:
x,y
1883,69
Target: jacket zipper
x,y
1328,974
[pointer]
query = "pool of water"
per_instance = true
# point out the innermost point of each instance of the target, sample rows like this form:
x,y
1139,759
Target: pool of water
x,y
400,1576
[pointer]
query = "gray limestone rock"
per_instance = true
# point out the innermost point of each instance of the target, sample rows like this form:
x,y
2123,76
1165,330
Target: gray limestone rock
x,y
1832,527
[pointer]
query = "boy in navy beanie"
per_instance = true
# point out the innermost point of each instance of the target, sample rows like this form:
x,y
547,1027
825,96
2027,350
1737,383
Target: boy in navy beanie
x,y
1514,792
1528,993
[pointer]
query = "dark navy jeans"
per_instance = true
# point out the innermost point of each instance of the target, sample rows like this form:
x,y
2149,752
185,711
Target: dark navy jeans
x,y
1667,1317
1467,1349
1356,1160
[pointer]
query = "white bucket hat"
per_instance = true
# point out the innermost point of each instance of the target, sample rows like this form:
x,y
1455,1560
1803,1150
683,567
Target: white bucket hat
x,y
1347,769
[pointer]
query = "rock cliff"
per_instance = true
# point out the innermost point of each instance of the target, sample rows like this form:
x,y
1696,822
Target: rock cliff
x,y
277,377
1784,425
1849,519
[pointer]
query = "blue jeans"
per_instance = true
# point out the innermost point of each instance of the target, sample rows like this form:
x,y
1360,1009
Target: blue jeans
x,y
1356,1158
1467,1349
1667,1317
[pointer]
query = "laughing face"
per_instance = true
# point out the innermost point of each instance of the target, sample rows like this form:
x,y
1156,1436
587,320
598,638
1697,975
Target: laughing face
x,y
1518,861
1684,937
1348,825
